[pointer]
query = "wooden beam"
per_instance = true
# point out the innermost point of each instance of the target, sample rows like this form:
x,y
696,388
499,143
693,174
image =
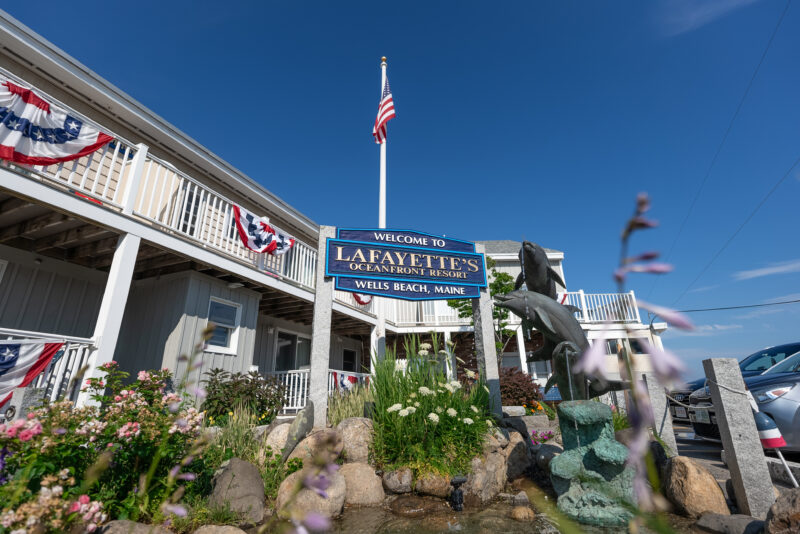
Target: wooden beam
x,y
70,238
32,225
13,205
94,248
160,262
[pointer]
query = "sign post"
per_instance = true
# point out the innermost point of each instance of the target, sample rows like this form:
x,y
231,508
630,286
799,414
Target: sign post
x,y
321,336
482,308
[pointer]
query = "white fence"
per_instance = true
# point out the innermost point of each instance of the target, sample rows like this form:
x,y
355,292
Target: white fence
x,y
297,384
602,307
64,367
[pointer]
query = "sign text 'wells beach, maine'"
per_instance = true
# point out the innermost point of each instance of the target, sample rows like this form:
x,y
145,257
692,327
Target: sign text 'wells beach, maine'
x,y
405,264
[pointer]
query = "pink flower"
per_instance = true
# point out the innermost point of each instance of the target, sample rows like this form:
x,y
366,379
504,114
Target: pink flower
x,y
675,318
74,507
31,415
83,499
117,398
25,435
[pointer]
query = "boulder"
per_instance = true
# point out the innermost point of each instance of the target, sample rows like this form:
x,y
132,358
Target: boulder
x,y
513,411
434,485
262,431
522,514
784,515
501,435
123,526
416,506
325,444
276,440
692,489
357,438
517,456
239,486
301,426
545,454
398,481
487,479
729,524
364,487
731,492
308,500
521,499
490,444
219,529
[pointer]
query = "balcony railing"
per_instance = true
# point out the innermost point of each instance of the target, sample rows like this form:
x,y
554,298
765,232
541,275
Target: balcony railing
x,y
65,366
297,383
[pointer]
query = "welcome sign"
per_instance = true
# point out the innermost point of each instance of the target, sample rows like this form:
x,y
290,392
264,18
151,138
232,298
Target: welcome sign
x,y
404,264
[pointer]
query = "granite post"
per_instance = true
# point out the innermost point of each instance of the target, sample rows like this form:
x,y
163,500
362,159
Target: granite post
x,y
749,472
321,333
482,308
661,416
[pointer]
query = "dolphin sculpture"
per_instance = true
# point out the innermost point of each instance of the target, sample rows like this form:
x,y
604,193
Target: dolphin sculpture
x,y
537,275
564,342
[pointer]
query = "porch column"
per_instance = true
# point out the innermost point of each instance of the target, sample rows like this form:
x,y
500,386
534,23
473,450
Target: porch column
x,y
321,333
523,360
112,307
377,342
482,308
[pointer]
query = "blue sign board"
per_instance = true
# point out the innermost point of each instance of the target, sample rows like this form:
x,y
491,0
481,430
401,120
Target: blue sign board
x,y
404,264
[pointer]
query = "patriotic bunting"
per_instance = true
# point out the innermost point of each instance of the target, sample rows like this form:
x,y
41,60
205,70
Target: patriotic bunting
x,y
21,361
768,432
258,235
35,132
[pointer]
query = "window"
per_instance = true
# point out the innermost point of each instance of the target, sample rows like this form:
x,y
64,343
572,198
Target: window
x,y
349,360
225,317
764,359
292,352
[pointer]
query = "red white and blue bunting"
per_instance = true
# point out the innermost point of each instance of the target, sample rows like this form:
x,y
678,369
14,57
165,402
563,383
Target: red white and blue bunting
x,y
364,300
35,132
21,361
258,235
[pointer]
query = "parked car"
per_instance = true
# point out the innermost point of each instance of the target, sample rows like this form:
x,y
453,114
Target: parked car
x,y
777,394
753,365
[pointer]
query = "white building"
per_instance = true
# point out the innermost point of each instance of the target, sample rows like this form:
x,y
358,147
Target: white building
x,y
129,252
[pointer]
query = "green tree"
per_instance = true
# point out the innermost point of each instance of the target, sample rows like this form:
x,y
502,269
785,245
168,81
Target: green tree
x,y
500,283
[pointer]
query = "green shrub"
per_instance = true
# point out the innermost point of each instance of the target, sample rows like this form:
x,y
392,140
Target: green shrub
x,y
262,396
423,421
517,388
620,419
201,513
351,403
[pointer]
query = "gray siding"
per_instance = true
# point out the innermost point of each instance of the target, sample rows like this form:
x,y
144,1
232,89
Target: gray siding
x,y
151,324
51,296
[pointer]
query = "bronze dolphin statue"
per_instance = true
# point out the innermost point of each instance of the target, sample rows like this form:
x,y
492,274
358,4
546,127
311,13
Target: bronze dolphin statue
x,y
537,275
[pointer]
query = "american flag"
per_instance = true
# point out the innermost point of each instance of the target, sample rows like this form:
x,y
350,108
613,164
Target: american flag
x,y
385,113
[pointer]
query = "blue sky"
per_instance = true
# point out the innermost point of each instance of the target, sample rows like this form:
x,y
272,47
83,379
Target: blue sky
x,y
539,120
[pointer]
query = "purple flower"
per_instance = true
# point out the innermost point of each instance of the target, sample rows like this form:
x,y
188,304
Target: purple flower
x,y
593,360
642,203
187,476
667,367
675,318
316,522
318,483
642,223
60,431
644,256
198,391
175,509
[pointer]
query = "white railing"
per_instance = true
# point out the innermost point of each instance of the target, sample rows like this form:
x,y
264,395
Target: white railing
x,y
65,365
345,297
426,313
602,307
297,384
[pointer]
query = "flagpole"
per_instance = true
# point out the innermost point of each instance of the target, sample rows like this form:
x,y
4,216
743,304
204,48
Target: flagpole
x,y
380,303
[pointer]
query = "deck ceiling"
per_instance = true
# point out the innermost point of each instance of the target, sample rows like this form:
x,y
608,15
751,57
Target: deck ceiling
x,y
45,231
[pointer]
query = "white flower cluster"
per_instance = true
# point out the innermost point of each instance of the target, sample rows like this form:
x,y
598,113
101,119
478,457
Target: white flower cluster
x,y
439,409
404,412
424,391
470,374
433,417
451,412
394,408
424,349
453,386
474,409
468,421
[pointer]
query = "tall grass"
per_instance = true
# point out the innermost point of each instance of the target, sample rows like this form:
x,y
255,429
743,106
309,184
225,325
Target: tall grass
x,y
351,403
423,421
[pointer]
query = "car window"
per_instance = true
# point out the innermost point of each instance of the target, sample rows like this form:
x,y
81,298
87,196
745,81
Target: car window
x,y
789,365
764,359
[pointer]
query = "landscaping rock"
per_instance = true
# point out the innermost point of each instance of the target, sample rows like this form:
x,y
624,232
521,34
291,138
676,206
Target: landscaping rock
x,y
416,506
545,454
299,429
276,440
692,489
517,456
731,492
487,479
513,411
219,529
398,481
308,500
326,443
238,485
434,485
490,444
123,526
364,487
784,515
357,438
521,499
522,514
501,435
729,524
